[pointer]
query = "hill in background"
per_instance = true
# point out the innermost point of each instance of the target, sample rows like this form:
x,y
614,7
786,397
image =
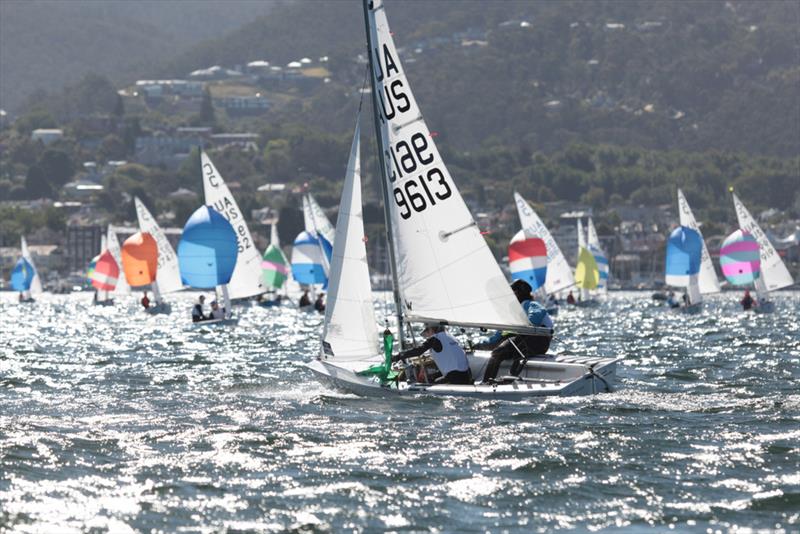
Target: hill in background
x,y
47,44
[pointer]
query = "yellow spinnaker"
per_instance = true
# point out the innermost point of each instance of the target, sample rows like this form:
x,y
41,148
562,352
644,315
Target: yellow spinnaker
x,y
587,275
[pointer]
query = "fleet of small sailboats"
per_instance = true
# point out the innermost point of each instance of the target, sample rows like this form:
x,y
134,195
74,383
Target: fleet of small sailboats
x,y
442,270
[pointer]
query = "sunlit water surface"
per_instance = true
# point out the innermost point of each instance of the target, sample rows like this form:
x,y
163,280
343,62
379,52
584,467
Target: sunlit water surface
x,y
113,420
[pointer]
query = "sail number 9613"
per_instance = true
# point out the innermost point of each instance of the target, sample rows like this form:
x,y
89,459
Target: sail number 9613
x,y
420,192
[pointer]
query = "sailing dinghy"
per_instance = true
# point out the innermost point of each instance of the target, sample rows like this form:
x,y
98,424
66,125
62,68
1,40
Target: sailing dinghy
x,y
168,276
274,270
740,259
208,253
24,276
140,262
443,271
103,275
245,281
587,273
600,258
774,274
684,252
559,275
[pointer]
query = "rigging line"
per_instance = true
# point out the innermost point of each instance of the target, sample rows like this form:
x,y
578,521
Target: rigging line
x,y
363,86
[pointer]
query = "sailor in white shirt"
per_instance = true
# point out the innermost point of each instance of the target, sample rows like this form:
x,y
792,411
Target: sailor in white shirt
x,y
446,352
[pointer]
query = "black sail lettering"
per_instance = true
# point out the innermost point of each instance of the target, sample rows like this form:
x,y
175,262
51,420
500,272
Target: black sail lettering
x,y
390,64
400,95
389,115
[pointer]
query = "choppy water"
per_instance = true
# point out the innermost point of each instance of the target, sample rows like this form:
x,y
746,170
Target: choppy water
x,y
111,420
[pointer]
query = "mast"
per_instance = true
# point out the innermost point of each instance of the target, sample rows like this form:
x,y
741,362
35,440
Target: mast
x,y
384,179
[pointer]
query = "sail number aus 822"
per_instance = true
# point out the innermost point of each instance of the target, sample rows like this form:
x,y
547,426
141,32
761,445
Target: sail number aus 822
x,y
410,195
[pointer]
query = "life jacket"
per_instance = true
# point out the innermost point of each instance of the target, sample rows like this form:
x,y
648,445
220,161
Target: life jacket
x,y
452,357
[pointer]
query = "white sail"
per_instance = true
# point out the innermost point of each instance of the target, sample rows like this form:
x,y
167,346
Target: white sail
x,y
36,283
774,273
350,330
316,220
246,277
168,275
707,279
559,274
445,269
581,235
113,247
593,240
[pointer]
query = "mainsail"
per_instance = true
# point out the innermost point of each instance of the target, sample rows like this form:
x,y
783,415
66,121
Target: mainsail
x,y
444,267
350,330
36,282
169,275
246,279
774,274
707,279
559,274
113,247
315,219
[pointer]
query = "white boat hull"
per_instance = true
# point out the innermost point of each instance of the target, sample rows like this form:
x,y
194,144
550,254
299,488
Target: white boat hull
x,y
560,376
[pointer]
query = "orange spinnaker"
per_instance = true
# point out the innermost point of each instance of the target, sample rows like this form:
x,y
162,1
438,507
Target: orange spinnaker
x,y
140,259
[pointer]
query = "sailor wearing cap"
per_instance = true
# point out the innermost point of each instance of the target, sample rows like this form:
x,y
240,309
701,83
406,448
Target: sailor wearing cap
x,y
506,346
447,354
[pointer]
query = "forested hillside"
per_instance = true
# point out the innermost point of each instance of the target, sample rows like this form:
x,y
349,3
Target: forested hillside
x,y
665,75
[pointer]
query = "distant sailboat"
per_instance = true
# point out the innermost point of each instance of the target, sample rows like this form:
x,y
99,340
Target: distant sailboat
x,y
707,280
246,279
103,275
316,220
24,277
208,253
587,274
169,278
443,271
140,261
274,267
774,274
596,248
559,275
684,254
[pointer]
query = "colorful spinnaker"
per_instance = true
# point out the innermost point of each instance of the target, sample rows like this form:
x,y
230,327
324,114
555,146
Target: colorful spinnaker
x,y
274,268
105,272
684,253
207,250
527,259
311,254
593,242
22,275
740,258
140,259
587,275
